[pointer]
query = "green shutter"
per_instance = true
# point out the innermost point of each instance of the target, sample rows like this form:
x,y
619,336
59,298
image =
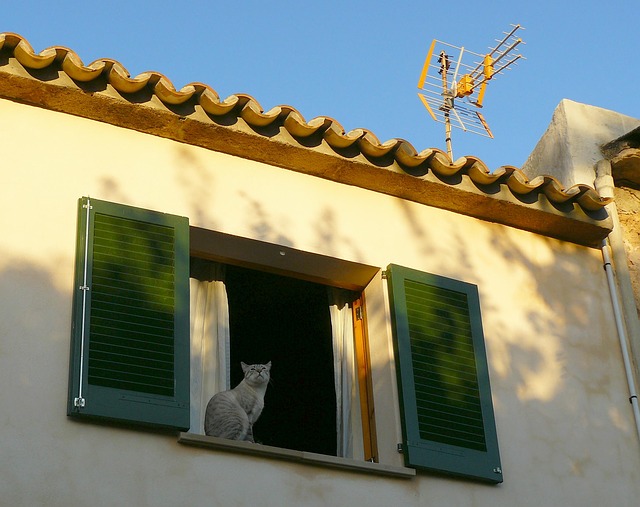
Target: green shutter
x,y
447,412
130,336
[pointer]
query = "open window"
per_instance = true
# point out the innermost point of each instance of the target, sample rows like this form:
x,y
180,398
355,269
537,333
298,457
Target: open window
x,y
257,302
163,313
299,326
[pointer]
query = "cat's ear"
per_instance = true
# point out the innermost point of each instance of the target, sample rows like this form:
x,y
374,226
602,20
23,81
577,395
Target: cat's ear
x,y
245,366
268,366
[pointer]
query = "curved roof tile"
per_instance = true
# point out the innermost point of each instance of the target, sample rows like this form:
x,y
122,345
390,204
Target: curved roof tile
x,y
250,110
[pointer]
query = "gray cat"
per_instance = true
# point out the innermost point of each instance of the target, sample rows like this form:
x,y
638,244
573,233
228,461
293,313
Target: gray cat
x,y
232,414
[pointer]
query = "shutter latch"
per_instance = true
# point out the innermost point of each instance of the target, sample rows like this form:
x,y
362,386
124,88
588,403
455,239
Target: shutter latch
x,y
78,402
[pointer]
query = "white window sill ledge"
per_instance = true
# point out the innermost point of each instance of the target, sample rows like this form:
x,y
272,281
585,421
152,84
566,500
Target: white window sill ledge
x,y
307,458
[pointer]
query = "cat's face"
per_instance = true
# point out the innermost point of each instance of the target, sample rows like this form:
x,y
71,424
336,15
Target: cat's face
x,y
256,374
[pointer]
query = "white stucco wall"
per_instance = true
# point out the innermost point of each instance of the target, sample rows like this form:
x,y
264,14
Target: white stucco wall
x,y
564,422
570,147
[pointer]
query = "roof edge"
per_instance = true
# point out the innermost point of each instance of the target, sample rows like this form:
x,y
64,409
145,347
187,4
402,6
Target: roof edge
x,y
57,79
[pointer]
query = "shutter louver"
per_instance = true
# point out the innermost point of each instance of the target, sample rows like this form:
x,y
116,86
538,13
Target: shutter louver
x,y
130,342
133,302
447,412
444,366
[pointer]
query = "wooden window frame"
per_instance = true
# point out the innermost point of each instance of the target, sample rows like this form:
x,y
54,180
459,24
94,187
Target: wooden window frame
x,y
365,382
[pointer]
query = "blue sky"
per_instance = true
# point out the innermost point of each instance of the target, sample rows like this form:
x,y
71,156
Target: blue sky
x,y
359,62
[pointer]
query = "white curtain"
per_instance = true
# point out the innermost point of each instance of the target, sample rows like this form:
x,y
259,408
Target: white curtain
x,y
209,344
348,417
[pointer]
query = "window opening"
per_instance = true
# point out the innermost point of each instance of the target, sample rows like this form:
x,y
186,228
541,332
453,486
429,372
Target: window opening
x,y
285,321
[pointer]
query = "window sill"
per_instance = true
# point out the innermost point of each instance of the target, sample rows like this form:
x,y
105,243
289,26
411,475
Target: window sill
x,y
307,458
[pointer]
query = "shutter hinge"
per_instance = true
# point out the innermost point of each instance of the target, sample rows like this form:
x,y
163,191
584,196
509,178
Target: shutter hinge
x,y
79,402
359,313
400,448
384,275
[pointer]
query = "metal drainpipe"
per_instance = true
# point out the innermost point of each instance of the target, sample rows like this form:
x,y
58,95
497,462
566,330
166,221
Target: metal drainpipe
x,y
604,185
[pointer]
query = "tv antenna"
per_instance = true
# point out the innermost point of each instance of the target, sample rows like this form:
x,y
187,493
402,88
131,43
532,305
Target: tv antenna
x,y
453,91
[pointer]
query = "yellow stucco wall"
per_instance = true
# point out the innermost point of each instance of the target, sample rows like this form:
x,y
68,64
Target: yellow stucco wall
x,y
564,422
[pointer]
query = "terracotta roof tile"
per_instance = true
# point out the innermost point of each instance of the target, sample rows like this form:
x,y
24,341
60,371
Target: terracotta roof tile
x,y
363,141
